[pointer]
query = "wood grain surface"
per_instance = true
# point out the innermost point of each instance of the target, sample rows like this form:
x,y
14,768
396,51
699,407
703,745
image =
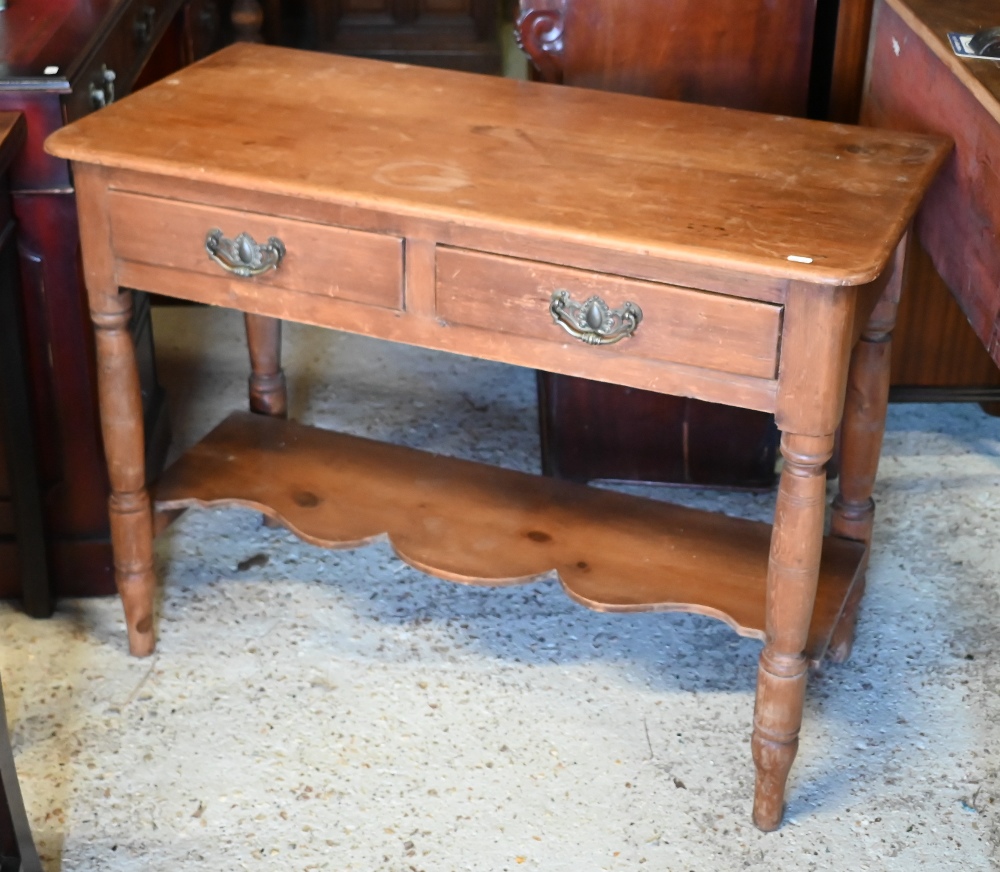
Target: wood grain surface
x,y
480,524
700,184
509,295
744,55
319,259
850,51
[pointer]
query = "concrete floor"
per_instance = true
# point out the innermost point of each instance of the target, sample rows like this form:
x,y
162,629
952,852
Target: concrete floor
x,y
312,710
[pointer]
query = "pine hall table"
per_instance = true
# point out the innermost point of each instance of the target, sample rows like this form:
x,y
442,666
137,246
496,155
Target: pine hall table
x,y
747,259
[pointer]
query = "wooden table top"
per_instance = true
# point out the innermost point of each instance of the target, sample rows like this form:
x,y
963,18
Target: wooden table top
x,y
692,183
933,20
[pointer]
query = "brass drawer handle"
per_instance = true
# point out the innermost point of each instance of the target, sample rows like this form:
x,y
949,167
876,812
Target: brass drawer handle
x,y
242,255
592,321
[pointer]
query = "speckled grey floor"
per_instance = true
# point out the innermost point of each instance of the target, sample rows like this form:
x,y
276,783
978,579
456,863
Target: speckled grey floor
x,y
312,710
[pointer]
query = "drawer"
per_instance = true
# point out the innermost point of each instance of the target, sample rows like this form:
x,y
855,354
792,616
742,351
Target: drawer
x,y
115,65
679,325
318,259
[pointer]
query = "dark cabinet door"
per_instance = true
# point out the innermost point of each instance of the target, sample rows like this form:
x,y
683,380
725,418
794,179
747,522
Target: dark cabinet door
x,y
458,34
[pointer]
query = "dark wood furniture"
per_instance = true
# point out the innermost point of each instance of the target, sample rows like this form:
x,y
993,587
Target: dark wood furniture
x,y
20,508
722,52
60,60
916,82
22,530
936,356
844,37
758,265
455,34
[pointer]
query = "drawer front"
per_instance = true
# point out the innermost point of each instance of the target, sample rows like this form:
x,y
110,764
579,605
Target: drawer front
x,y
679,325
318,259
117,62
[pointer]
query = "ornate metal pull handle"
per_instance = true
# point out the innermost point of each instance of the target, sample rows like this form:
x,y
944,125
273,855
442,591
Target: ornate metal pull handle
x,y
242,255
592,321
102,91
209,16
143,24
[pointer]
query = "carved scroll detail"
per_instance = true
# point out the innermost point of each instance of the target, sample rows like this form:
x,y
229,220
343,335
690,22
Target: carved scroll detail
x,y
539,33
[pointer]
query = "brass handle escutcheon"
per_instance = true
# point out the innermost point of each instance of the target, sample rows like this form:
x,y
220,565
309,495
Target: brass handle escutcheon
x,y
242,255
592,321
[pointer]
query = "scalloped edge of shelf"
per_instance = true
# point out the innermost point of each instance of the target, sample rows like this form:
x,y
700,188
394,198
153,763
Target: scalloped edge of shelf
x,y
479,524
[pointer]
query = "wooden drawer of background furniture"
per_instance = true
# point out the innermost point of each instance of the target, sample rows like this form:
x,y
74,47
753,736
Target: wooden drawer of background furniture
x,y
203,23
679,325
318,259
115,65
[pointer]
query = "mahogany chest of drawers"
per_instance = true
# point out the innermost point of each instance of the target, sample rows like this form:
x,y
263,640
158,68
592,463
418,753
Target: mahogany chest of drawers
x,y
61,60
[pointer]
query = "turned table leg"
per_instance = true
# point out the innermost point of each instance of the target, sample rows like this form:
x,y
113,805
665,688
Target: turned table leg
x,y
268,392
861,443
793,570
129,506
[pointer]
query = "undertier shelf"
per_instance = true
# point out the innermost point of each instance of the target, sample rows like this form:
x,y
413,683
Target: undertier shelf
x,y
479,524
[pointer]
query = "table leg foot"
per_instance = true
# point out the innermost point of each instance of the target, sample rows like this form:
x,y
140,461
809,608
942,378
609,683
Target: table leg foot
x,y
135,597
132,537
781,688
